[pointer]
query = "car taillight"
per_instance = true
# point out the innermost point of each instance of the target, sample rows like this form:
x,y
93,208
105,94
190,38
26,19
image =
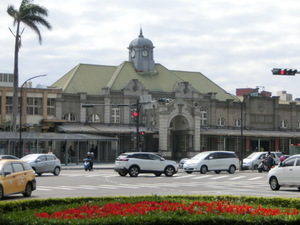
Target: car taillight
x,y
124,159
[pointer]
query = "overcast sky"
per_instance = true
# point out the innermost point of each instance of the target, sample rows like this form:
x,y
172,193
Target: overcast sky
x,y
235,43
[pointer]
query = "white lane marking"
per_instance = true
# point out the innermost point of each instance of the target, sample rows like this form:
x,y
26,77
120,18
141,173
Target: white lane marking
x,y
236,178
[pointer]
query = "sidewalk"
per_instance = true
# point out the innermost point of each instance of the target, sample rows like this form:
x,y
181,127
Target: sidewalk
x,y
96,166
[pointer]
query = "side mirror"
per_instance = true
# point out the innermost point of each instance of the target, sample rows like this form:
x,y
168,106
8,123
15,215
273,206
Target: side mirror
x,y
210,157
281,164
38,160
7,173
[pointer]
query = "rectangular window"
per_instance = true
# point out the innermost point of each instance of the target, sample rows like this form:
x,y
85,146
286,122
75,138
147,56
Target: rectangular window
x,y
50,106
115,114
9,105
34,106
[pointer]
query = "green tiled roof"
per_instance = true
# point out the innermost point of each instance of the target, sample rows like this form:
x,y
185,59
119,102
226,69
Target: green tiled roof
x,y
92,78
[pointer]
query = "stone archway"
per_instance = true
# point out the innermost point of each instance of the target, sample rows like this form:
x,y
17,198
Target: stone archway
x,y
180,137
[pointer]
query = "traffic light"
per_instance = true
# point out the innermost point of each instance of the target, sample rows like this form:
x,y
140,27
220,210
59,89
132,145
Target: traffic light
x,y
284,72
135,117
142,136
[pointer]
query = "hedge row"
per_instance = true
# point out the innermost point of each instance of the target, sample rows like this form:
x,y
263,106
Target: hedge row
x,y
24,212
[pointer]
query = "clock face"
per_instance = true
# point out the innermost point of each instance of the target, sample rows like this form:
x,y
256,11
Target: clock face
x,y
144,52
133,54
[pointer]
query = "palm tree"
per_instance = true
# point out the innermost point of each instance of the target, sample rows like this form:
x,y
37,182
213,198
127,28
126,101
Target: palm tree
x,y
31,15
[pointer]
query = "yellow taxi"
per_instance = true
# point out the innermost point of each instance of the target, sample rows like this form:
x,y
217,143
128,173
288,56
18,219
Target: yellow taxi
x,y
16,177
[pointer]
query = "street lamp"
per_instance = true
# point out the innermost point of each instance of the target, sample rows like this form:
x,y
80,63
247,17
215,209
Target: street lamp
x,y
21,105
242,125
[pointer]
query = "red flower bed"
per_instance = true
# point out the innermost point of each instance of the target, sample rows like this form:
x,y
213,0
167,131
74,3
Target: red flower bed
x,y
143,208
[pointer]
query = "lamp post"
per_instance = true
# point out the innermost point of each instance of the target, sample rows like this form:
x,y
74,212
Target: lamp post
x,y
21,106
242,126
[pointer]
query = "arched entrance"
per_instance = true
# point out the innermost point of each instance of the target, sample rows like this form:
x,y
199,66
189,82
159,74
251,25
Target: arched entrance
x,y
181,137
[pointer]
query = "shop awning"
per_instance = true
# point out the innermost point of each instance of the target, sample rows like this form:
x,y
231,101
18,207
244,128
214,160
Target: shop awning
x,y
102,128
251,133
53,136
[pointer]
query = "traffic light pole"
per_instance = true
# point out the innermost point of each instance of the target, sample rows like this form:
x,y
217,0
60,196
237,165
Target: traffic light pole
x,y
138,106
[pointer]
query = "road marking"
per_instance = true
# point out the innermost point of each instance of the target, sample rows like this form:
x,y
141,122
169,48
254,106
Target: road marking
x,y
236,178
64,188
219,177
201,177
255,178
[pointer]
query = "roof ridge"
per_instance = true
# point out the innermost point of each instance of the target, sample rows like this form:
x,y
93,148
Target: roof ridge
x,y
115,75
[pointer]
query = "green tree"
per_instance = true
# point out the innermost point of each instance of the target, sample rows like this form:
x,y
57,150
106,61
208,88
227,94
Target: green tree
x,y
31,15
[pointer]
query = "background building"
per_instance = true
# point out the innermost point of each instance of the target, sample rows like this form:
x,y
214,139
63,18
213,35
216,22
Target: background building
x,y
184,112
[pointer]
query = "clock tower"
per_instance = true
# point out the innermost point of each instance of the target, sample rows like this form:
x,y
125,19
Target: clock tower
x,y
141,54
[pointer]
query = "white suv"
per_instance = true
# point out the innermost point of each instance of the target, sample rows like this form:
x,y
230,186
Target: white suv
x,y
144,162
216,161
286,174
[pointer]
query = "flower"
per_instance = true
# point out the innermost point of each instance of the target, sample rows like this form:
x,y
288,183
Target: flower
x,y
146,207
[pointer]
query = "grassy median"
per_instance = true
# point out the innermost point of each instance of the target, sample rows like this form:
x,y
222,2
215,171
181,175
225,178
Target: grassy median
x,y
152,210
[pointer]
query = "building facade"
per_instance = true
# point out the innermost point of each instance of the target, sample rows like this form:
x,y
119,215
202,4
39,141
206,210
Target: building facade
x,y
180,113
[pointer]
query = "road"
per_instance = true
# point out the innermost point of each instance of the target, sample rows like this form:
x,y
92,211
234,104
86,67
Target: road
x,y
106,182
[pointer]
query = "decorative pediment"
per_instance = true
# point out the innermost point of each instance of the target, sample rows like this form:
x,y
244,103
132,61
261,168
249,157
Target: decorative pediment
x,y
186,90
134,87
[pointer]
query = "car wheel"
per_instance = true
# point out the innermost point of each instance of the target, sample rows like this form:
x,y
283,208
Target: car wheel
x,y
188,172
274,184
217,171
169,171
122,173
56,171
1,192
255,167
203,170
134,171
28,190
157,174
231,169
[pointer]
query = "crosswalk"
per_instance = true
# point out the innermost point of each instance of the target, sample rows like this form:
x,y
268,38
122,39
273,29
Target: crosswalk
x,y
178,180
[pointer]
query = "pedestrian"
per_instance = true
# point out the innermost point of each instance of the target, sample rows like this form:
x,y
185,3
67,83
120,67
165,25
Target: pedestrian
x,y
270,161
282,158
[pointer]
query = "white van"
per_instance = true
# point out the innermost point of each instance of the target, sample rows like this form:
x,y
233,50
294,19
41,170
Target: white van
x,y
253,160
216,161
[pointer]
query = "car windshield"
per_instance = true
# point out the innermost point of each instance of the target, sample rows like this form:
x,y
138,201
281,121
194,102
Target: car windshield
x,y
253,155
200,155
27,157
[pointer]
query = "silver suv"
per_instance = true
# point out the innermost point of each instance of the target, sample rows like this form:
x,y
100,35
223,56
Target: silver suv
x,y
43,163
133,163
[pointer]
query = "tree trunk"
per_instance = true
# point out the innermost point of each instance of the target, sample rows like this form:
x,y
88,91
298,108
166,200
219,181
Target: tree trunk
x,y
16,80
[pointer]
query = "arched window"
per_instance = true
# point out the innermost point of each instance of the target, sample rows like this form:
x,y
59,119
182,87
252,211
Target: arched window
x,y
94,118
284,124
70,117
203,116
221,122
237,122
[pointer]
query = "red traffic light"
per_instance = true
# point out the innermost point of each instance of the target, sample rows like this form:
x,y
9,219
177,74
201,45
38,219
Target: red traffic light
x,y
142,132
284,72
135,114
